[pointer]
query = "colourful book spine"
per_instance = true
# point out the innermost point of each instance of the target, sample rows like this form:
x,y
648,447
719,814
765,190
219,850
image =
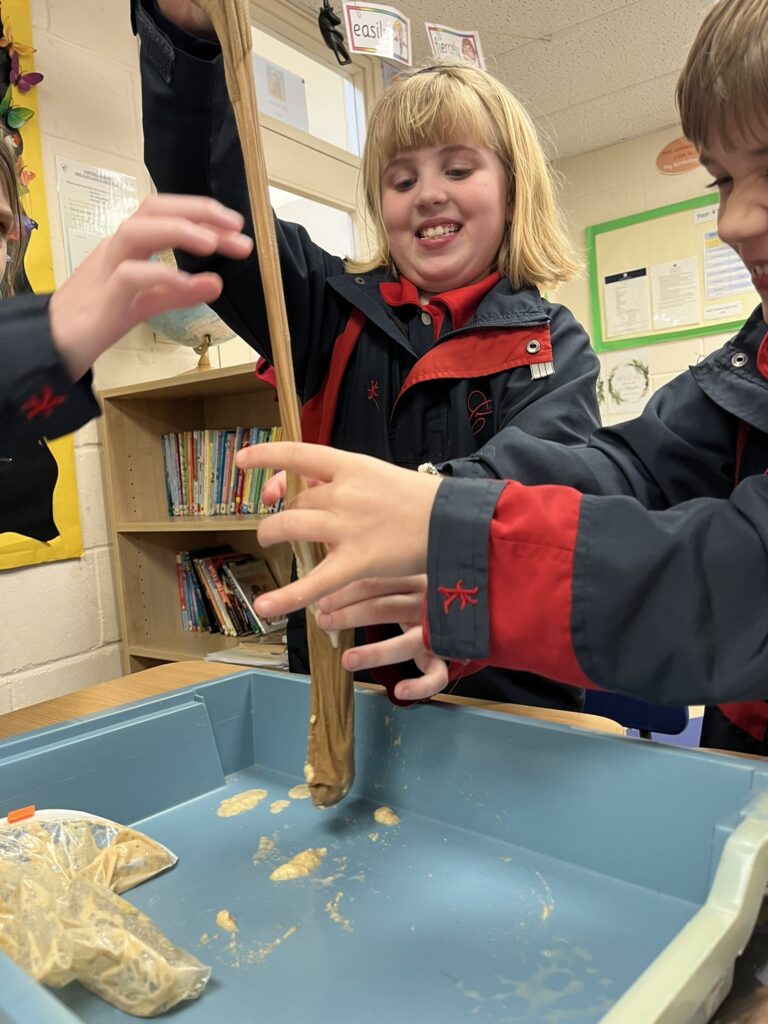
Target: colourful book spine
x,y
206,471
222,605
183,472
166,443
200,461
185,621
225,468
234,473
177,474
245,506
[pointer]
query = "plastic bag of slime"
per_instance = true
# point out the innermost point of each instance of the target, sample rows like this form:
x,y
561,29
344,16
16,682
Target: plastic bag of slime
x,y
61,921
84,846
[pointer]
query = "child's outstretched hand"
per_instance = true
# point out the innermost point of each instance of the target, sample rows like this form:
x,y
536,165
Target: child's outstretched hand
x,y
117,286
373,517
373,602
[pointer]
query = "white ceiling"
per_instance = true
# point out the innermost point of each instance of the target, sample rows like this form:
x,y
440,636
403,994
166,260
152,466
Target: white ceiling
x,y
590,72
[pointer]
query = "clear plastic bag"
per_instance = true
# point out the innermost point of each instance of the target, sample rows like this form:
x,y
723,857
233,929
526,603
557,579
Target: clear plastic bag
x,y
62,920
85,846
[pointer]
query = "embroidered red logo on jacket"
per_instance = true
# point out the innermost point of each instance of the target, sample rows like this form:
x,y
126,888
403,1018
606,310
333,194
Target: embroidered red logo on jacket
x,y
373,392
42,404
464,595
479,407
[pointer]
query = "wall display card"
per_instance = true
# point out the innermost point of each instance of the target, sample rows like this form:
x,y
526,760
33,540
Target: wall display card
x,y
696,285
706,214
378,31
280,93
94,201
675,293
627,303
628,381
453,44
722,311
724,273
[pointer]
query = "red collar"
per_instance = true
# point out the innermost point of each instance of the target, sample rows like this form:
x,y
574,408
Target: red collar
x,y
462,302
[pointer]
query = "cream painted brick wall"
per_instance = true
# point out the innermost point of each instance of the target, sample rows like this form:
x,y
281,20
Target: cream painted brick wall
x,y
45,682
61,623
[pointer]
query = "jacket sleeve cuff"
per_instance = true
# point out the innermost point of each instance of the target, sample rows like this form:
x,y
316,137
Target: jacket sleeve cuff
x,y
469,468
457,567
500,571
42,400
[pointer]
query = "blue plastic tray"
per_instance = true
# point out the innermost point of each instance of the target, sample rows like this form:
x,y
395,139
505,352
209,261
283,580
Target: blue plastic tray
x,y
539,873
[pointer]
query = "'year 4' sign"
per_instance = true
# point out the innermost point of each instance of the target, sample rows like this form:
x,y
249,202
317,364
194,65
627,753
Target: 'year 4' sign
x,y
378,30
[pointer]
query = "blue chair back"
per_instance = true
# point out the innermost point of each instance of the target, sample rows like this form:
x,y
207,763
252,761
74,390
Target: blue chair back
x,y
633,713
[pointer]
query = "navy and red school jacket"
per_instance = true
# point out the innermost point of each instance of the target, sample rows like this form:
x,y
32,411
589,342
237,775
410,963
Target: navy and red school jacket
x,y
376,372
648,575
38,398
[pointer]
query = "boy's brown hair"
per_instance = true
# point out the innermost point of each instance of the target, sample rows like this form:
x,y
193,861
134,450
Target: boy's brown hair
x,y
456,102
723,88
9,181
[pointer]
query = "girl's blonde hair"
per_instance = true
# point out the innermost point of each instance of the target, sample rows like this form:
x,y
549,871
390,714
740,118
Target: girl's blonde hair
x,y
723,88
10,183
455,102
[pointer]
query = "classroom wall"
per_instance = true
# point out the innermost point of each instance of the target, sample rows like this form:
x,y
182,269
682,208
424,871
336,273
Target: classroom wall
x,y
60,622
615,182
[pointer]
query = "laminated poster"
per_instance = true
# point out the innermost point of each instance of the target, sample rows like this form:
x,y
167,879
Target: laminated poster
x,y
378,31
453,44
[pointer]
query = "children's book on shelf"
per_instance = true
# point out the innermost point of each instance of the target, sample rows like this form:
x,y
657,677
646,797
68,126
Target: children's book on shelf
x,y
253,578
202,477
217,587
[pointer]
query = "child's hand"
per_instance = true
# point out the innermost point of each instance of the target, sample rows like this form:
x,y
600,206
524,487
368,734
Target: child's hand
x,y
274,489
117,286
187,16
379,601
374,602
373,517
408,647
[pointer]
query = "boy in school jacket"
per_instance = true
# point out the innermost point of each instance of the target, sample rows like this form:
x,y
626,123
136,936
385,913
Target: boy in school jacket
x,y
377,371
648,573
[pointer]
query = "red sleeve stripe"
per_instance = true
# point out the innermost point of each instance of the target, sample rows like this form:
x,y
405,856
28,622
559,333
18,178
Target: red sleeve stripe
x,y
531,557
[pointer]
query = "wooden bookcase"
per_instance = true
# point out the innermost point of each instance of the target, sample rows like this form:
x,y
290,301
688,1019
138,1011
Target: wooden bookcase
x,y
144,536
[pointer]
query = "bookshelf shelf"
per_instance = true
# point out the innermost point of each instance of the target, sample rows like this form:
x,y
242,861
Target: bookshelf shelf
x,y
191,524
194,646
145,538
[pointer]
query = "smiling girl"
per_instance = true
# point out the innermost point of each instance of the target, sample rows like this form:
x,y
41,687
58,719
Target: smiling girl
x,y
424,352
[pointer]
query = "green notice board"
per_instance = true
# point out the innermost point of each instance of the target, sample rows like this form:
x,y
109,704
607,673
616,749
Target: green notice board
x,y
664,275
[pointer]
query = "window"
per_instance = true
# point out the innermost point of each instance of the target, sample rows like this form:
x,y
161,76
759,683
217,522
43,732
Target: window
x,y
301,91
330,228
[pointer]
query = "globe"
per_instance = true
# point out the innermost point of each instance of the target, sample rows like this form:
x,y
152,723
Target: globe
x,y
197,327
